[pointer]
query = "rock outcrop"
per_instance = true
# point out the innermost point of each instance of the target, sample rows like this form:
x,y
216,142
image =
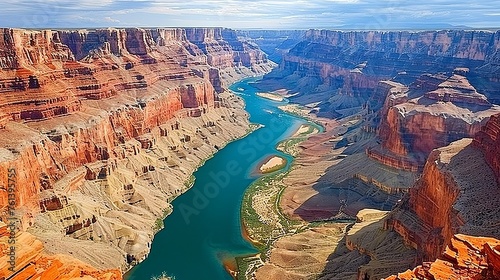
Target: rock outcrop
x,y
41,79
100,129
438,86
449,198
466,257
432,112
31,263
459,44
433,92
488,140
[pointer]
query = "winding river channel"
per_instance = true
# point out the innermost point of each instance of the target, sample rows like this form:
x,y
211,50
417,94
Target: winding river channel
x,y
205,228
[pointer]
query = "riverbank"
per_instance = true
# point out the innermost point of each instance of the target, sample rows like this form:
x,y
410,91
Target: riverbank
x,y
204,142
307,240
206,216
262,220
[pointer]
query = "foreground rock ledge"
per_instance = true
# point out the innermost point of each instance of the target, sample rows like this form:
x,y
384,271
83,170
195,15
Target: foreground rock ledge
x,y
467,257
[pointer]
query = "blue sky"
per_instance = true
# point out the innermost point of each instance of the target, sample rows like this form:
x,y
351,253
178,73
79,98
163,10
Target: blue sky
x,y
276,14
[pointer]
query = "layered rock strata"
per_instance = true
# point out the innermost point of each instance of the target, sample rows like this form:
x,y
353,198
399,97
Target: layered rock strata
x,y
449,198
427,86
488,140
432,89
349,65
31,263
399,52
100,129
432,112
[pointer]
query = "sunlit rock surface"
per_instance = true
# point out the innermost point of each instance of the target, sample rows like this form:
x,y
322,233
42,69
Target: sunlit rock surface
x,y
466,257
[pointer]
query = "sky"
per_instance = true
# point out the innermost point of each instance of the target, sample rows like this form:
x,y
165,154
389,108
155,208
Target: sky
x,y
241,14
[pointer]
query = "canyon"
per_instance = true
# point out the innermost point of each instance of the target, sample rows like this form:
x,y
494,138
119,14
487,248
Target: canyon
x,y
100,130
416,134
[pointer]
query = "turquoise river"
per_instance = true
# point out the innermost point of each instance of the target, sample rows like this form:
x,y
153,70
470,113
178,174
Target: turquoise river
x,y
205,227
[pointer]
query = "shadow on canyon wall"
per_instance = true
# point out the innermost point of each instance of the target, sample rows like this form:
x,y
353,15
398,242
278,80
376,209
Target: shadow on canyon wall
x,y
382,255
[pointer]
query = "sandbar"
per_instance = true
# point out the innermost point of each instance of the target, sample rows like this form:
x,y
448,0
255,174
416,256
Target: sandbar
x,y
273,164
274,97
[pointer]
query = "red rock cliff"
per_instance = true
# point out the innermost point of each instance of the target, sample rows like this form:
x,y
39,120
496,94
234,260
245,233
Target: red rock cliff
x,y
488,140
475,45
40,79
224,49
466,257
432,112
67,88
457,193
32,263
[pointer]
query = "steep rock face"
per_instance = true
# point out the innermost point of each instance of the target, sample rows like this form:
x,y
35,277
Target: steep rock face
x,y
432,112
33,50
120,41
466,257
75,64
82,41
21,48
449,198
224,49
488,140
64,149
388,54
475,45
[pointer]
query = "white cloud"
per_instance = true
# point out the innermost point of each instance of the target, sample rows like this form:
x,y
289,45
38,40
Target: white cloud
x,y
109,19
250,13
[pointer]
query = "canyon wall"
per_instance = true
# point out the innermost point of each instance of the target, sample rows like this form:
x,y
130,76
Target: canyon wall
x,y
435,98
32,263
475,45
352,63
275,43
427,89
99,129
488,140
457,193
422,96
432,112
41,79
